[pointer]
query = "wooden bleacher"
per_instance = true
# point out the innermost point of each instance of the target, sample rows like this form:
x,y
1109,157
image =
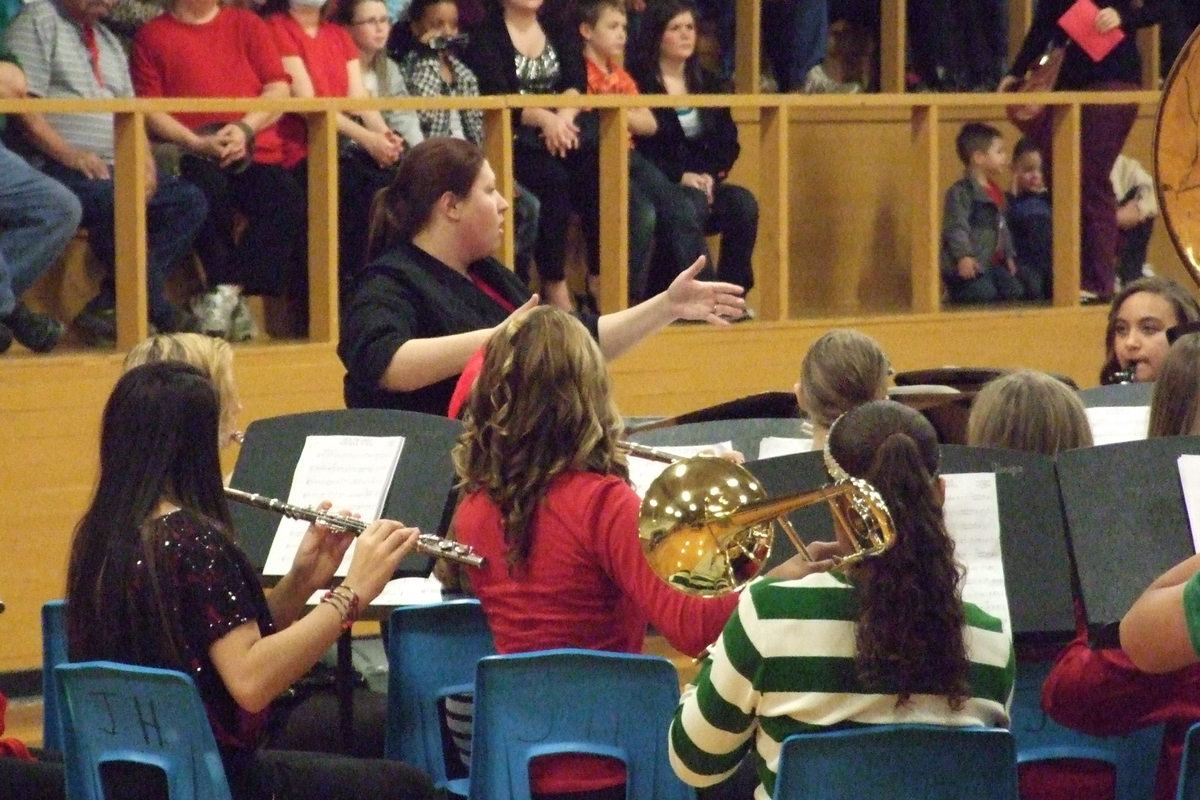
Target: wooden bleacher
x,y
850,193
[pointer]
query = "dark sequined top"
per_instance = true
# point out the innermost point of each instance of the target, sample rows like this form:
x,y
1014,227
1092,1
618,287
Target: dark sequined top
x,y
213,589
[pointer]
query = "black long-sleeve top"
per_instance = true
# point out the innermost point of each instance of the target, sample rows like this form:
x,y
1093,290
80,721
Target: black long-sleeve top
x,y
712,152
1078,70
404,294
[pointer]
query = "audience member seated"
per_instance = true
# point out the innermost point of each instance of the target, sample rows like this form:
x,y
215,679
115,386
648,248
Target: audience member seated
x,y
1137,206
439,72
657,205
1030,220
202,49
958,46
554,151
695,147
323,61
38,216
432,294
893,627
67,53
1135,341
1173,404
978,257
1104,127
842,370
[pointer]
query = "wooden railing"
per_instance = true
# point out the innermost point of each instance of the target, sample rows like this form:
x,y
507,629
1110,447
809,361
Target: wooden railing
x,y
774,115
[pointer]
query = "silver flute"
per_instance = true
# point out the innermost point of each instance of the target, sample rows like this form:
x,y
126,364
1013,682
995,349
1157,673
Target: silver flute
x,y
426,542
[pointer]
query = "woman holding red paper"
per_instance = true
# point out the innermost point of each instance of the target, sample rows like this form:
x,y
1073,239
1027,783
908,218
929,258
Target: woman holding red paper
x,y
1104,127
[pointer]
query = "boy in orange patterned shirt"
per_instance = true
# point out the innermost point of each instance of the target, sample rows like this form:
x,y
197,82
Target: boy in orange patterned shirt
x,y
656,205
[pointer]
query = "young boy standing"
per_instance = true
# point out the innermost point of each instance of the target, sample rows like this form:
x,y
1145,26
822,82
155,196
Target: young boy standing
x,y
1029,218
656,204
978,257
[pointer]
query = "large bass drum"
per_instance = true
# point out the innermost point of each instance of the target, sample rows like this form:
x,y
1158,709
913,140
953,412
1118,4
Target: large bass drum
x,y
1177,155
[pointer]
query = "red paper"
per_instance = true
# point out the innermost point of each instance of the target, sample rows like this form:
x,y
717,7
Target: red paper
x,y
1080,23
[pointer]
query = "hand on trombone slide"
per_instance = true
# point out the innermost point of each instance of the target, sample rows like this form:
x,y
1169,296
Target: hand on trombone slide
x,y
821,558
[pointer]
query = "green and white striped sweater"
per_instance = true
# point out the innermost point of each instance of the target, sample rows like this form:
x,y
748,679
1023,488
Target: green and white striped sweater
x,y
785,664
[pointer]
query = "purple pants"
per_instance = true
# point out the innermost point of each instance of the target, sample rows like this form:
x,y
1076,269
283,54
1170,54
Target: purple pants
x,y
1101,140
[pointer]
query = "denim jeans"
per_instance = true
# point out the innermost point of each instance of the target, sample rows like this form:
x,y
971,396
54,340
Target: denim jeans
x,y
38,216
174,214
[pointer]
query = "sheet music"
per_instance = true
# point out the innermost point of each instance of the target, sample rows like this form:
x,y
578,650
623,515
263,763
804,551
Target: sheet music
x,y
354,472
1113,424
401,592
643,471
1189,477
772,446
973,520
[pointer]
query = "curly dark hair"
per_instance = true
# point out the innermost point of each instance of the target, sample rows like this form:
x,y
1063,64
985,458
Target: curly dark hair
x,y
909,637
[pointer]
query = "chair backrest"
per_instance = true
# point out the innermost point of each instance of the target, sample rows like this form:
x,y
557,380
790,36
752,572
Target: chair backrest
x,y
54,652
1134,757
573,701
1189,767
900,762
432,651
118,712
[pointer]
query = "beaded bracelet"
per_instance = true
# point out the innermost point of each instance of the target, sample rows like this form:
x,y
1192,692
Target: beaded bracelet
x,y
345,600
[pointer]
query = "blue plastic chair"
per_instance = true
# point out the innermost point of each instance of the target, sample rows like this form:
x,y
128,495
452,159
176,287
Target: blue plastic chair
x,y
899,762
573,701
118,712
1134,757
54,652
432,651
1189,767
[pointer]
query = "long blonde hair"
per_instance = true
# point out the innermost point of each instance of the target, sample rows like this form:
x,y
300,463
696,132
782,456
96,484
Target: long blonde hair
x,y
208,353
1028,410
1177,390
542,406
842,370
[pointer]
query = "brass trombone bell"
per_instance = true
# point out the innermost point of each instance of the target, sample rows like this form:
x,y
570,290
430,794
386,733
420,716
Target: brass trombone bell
x,y
706,524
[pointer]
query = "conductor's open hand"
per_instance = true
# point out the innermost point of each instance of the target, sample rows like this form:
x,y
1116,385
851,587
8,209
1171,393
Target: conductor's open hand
x,y
379,550
714,302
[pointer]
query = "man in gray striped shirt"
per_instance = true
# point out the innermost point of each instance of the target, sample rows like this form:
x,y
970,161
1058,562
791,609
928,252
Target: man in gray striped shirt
x,y
66,52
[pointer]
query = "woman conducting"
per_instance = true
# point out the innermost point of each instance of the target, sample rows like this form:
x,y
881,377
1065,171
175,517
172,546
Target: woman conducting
x,y
432,295
156,578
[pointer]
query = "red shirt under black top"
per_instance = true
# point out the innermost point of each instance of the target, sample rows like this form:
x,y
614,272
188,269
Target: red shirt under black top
x,y
586,585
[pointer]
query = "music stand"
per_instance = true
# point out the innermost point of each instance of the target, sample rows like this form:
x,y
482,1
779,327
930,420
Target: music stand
x,y
1117,394
1033,543
746,434
1126,522
419,495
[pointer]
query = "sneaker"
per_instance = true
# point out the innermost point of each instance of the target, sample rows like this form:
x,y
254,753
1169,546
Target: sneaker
x,y
214,309
6,338
1087,298
97,326
817,81
39,332
242,327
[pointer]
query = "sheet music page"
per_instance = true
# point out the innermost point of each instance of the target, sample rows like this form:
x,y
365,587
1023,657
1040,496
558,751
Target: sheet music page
x,y
772,446
354,472
401,592
643,471
973,520
1189,477
1113,424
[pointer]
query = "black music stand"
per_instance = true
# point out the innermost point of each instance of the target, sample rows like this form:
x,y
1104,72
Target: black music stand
x,y
1126,522
420,493
1033,546
746,434
1117,394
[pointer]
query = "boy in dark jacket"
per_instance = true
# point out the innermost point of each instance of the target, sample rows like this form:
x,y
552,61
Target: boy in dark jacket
x,y
1030,221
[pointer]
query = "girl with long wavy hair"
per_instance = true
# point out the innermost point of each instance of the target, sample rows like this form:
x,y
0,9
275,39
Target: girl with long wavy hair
x,y
547,502
888,640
